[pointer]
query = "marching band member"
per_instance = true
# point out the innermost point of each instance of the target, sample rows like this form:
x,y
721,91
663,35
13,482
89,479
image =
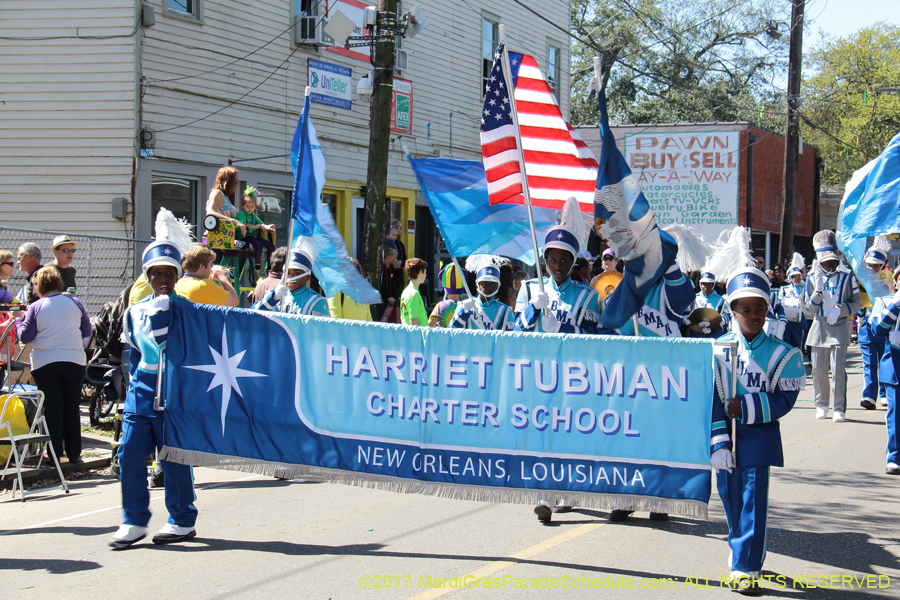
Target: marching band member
x,y
708,297
871,347
301,299
884,327
791,297
492,314
832,295
146,329
770,376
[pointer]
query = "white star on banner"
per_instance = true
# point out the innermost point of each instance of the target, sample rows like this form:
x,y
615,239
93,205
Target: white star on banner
x,y
225,373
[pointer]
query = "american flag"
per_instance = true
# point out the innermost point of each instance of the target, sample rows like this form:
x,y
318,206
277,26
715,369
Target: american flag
x,y
558,163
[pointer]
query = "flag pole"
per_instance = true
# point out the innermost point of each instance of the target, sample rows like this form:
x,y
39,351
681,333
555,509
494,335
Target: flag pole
x,y
290,244
507,79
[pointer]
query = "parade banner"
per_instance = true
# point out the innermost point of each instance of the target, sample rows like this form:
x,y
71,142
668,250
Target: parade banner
x,y
590,421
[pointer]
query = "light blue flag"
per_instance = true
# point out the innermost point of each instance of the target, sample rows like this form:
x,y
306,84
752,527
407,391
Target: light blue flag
x,y
624,219
308,164
456,192
871,206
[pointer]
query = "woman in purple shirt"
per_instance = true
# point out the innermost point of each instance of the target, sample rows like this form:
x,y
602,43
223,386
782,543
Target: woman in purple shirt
x,y
57,324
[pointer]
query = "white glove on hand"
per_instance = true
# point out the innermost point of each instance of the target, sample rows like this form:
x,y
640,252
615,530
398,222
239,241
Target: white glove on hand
x,y
540,301
722,460
704,327
160,303
281,291
549,323
834,315
897,298
819,282
467,305
686,321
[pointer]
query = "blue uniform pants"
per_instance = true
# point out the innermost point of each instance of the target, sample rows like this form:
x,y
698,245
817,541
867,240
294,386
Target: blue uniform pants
x,y
872,349
794,337
745,496
892,421
140,437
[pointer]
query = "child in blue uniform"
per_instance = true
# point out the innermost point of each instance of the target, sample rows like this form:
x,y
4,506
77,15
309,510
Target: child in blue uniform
x,y
870,346
791,299
708,297
884,328
301,300
146,329
486,309
770,376
571,307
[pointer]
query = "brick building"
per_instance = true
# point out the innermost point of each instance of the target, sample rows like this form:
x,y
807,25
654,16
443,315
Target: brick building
x,y
759,167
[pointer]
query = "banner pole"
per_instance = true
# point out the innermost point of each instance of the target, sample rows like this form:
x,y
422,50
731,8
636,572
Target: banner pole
x,y
290,244
515,121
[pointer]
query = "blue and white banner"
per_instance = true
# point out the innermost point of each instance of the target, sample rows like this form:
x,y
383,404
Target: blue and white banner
x,y
591,421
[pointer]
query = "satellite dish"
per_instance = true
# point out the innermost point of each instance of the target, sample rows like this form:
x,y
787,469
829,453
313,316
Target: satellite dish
x,y
416,20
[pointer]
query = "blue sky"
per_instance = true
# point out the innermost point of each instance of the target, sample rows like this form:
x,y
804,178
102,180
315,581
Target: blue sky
x,y
844,17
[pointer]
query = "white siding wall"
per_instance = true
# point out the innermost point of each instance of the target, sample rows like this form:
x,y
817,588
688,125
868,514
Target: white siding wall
x,y
444,66
66,114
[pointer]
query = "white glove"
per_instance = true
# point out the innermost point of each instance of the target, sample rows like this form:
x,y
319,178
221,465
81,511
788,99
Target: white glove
x,y
160,303
686,321
549,323
897,298
894,338
704,327
281,291
722,460
834,315
540,301
467,305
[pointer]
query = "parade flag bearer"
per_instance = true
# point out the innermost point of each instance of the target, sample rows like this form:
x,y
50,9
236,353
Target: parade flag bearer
x,y
146,329
770,376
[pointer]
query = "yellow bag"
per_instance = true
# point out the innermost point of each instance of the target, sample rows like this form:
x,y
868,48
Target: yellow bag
x,y
15,414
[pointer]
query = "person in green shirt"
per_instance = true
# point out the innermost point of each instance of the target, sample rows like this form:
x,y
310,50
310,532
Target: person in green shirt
x,y
412,308
247,216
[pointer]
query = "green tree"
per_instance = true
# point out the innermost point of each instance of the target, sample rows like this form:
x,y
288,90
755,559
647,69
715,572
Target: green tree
x,y
842,110
670,61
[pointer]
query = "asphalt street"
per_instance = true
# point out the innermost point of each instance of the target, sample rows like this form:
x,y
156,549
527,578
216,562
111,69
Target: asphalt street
x,y
832,524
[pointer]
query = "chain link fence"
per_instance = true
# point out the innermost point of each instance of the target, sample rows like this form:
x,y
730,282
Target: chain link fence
x,y
104,265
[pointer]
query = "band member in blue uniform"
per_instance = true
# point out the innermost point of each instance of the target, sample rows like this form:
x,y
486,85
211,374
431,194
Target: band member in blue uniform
x,y
300,299
708,297
884,327
667,304
770,376
564,306
791,298
146,329
871,347
485,309
832,295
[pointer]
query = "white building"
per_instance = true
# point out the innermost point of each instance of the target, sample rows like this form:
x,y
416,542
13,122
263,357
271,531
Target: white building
x,y
202,82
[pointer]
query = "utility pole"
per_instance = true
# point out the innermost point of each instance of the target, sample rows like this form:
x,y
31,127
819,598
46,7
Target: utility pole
x,y
792,134
376,221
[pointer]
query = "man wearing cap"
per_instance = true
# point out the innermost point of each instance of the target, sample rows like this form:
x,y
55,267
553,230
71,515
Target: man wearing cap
x,y
871,346
832,295
443,312
610,262
564,306
64,250
770,376
146,329
295,297
484,312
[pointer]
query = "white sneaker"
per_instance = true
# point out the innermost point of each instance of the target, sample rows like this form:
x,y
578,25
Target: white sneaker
x,y
126,535
821,413
883,401
839,417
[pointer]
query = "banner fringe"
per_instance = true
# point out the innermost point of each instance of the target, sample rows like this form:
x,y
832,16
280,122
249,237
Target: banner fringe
x,y
455,491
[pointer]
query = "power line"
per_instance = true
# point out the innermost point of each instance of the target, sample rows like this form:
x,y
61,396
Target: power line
x,y
137,26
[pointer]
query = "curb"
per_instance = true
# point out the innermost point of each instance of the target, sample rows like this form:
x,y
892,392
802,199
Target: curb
x,y
30,475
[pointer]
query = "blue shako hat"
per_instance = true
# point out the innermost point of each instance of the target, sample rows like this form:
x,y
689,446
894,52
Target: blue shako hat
x,y
794,271
875,257
299,260
488,273
561,237
748,282
707,277
161,253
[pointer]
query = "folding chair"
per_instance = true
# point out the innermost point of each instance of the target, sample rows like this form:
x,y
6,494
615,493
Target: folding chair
x,y
38,434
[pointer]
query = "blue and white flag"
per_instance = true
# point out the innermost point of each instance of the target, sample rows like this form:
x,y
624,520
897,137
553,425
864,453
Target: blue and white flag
x,y
457,194
308,164
622,216
870,207
592,421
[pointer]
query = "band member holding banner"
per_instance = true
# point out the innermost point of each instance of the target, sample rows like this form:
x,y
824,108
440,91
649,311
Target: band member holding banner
x,y
770,377
294,296
871,347
832,295
884,327
493,314
146,329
